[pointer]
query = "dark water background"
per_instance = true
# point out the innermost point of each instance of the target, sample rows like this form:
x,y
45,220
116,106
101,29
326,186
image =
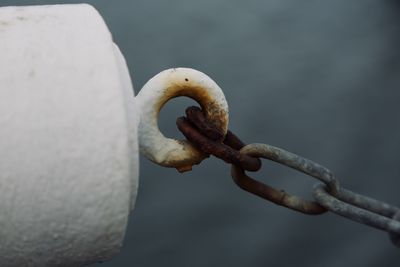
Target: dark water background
x,y
319,78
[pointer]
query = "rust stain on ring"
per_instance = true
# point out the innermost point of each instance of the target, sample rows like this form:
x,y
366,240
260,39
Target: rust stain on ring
x,y
166,85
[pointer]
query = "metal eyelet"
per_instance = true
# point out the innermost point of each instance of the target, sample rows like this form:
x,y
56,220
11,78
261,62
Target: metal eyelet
x,y
168,84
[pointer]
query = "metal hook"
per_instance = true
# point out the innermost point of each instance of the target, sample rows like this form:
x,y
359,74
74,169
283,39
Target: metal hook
x,y
166,85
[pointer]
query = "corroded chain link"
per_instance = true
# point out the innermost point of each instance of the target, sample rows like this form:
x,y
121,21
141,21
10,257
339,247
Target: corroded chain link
x,y
209,140
328,195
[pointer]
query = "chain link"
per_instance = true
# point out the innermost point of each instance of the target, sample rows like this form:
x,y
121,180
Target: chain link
x,y
328,195
209,141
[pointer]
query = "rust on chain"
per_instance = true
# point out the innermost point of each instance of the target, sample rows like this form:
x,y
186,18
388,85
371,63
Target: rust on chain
x,y
196,116
329,196
279,197
207,139
233,141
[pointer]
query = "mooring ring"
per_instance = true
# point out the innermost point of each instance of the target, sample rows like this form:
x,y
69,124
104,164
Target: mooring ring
x,y
168,84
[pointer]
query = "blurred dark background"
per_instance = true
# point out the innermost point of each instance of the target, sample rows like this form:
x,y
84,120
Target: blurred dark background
x,y
319,78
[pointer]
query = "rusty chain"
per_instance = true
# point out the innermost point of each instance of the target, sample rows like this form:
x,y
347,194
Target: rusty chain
x,y
328,195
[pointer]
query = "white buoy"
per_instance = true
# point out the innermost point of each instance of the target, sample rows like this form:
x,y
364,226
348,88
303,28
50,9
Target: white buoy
x,y
68,140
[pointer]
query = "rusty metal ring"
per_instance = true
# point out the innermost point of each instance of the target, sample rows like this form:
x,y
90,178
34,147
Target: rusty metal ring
x,y
269,193
152,97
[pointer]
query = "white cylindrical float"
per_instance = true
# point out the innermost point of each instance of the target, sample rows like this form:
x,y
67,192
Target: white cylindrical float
x,y
68,141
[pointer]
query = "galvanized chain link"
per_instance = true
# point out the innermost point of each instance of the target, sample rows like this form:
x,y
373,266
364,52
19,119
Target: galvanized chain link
x,y
328,195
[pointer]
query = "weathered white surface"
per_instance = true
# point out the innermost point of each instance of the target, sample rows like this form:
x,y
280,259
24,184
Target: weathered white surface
x,y
68,148
155,93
